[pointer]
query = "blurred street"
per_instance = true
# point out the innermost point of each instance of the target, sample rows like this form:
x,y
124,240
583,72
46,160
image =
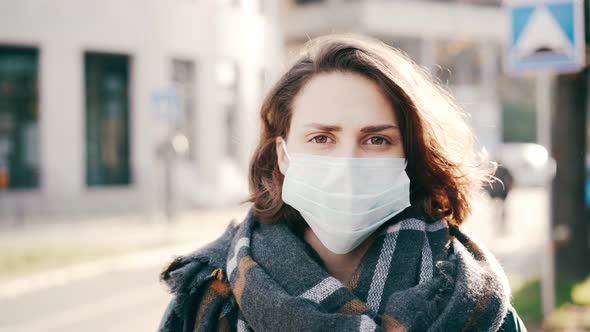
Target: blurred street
x,y
126,296
111,294
125,144
520,249
128,300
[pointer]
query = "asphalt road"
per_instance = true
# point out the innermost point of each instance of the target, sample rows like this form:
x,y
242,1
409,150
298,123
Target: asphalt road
x,y
129,300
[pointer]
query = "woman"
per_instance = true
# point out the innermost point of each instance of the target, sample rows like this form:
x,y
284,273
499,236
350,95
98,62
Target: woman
x,y
363,174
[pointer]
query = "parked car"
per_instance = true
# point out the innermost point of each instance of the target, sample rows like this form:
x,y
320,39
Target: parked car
x,y
529,163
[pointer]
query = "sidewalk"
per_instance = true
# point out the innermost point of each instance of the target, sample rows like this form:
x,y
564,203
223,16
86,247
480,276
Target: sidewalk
x,y
137,241
125,241
126,229
522,249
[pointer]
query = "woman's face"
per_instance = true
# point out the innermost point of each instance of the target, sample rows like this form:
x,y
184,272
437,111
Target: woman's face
x,y
342,115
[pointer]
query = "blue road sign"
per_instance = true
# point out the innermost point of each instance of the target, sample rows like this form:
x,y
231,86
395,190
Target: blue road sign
x,y
545,35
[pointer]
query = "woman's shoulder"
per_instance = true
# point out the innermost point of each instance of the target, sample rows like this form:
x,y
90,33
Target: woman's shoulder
x,y
185,268
512,322
189,275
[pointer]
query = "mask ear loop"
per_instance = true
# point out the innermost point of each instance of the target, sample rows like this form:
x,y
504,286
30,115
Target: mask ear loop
x,y
284,145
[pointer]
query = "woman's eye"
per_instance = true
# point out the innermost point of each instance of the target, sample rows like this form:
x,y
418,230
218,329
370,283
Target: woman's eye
x,y
320,139
378,140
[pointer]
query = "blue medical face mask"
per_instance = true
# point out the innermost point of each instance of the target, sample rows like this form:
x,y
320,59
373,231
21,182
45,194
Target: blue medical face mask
x,y
344,200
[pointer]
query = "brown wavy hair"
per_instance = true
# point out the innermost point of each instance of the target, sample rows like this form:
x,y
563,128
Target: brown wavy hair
x,y
443,167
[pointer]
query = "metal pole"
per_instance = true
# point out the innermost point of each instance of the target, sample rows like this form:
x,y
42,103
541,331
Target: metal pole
x,y
168,187
544,118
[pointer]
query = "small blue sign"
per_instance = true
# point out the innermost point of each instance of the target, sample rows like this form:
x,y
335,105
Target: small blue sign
x,y
545,35
167,105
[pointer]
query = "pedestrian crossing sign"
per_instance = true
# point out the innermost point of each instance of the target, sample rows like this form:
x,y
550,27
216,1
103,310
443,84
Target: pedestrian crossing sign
x,y
545,35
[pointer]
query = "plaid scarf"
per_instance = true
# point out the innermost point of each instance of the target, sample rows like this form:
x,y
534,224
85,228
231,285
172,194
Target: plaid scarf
x,y
416,276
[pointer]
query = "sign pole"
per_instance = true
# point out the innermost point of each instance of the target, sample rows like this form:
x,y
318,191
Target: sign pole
x,y
544,117
546,37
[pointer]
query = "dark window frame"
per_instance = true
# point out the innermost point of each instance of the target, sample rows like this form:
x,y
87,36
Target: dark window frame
x,y
26,178
127,178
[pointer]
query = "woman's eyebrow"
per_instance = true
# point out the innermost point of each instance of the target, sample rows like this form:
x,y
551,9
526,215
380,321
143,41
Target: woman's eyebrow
x,y
324,127
367,129
378,128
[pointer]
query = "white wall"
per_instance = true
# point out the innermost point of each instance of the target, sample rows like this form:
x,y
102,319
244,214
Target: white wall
x,y
426,22
424,19
152,33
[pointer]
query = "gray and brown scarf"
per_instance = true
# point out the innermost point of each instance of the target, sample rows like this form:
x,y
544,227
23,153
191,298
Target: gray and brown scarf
x,y
416,276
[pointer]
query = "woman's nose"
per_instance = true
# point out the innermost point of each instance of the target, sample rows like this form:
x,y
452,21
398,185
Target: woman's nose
x,y
347,148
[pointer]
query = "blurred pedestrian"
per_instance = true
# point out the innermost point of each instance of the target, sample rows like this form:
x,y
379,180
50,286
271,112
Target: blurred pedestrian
x,y
360,182
498,190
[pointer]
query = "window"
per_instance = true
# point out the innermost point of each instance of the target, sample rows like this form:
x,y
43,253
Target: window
x,y
517,99
305,2
107,119
227,81
19,118
183,78
460,63
229,3
412,47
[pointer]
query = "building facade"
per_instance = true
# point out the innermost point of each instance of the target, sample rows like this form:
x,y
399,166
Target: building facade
x,y
93,95
458,41
148,105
